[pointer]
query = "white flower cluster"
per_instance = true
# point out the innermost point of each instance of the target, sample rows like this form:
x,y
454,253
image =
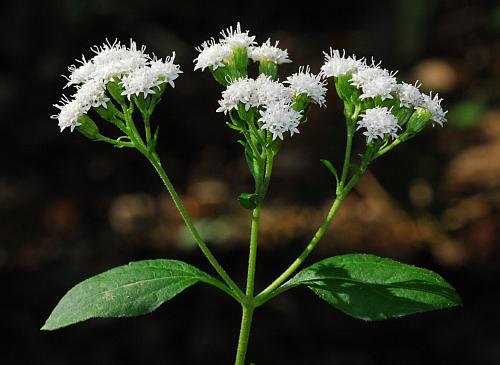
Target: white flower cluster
x,y
377,82
304,82
269,53
136,71
378,122
274,99
217,54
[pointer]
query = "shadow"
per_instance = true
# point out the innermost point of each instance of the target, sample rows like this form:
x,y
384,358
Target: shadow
x,y
375,301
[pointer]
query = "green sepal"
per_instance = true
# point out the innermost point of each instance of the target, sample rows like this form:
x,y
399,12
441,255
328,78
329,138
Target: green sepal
x,y
88,128
301,103
345,90
240,62
220,74
269,69
249,201
115,90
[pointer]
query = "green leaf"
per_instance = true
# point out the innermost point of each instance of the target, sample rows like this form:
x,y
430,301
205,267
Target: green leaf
x,y
372,288
331,168
249,201
125,291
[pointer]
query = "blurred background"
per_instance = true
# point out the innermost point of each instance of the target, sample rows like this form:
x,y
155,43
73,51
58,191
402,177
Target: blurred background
x,y
71,208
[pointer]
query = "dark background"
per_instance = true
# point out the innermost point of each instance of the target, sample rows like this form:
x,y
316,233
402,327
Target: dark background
x,y
71,208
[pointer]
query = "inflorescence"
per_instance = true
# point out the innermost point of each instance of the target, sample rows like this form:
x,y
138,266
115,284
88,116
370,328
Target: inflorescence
x,y
131,68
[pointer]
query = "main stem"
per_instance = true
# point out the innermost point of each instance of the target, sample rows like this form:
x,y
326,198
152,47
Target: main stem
x,y
246,323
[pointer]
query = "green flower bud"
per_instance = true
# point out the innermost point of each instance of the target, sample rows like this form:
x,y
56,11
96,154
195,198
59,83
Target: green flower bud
x,y
269,68
88,128
418,121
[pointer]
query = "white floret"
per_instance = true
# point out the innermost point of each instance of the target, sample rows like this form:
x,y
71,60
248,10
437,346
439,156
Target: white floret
x,y
69,112
374,81
337,64
235,38
280,118
212,54
269,53
378,122
433,105
409,95
304,82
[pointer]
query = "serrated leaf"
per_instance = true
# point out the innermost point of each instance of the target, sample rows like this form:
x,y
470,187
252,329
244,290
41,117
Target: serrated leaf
x,y
372,288
125,291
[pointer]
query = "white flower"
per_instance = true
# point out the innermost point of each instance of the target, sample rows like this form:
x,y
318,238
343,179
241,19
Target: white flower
x,y
166,71
378,122
280,118
269,53
337,64
409,95
115,59
80,74
374,81
69,112
235,38
304,82
92,94
271,92
142,80
239,91
433,105
212,54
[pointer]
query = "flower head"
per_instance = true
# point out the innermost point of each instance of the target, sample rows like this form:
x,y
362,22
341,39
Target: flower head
x,y
70,111
433,105
304,82
269,53
235,38
378,122
166,71
269,92
136,71
409,95
337,64
92,94
239,91
114,59
212,54
374,81
279,118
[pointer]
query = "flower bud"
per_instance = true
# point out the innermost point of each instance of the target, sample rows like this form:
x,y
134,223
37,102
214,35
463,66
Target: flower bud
x,y
88,128
418,121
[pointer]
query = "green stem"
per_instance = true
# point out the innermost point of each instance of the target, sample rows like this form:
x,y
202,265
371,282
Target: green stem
x,y
252,256
386,149
189,223
246,323
267,293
